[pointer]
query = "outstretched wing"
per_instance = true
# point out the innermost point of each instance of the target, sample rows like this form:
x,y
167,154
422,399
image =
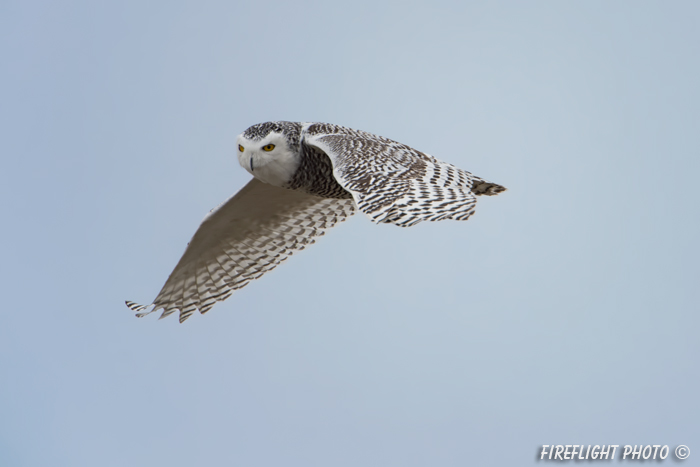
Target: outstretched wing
x,y
394,183
242,239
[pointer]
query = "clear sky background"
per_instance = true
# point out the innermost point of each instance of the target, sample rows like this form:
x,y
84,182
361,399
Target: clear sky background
x,y
565,311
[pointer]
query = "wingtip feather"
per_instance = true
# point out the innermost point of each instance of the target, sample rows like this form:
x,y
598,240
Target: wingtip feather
x,y
133,306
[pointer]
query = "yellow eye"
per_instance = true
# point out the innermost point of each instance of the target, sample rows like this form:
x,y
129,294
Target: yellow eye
x,y
269,147
241,148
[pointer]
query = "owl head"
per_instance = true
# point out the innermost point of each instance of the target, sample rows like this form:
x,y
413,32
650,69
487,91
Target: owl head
x,y
270,151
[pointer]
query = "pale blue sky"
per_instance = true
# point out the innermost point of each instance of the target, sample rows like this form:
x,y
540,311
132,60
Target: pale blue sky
x,y
564,312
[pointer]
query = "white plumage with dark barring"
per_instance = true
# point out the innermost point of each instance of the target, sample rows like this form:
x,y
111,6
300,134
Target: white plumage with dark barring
x,y
307,177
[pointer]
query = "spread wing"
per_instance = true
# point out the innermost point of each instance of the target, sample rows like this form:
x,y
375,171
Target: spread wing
x,y
394,183
242,239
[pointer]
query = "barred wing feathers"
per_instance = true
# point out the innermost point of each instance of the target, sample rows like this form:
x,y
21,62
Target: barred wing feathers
x,y
394,183
242,239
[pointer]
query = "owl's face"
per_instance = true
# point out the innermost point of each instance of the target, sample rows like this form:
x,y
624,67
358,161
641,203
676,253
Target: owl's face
x,y
268,156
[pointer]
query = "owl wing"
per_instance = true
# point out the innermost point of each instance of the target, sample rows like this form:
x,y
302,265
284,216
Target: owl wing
x,y
242,239
394,183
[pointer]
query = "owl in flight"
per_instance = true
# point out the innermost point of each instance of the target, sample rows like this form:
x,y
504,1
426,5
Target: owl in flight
x,y
307,177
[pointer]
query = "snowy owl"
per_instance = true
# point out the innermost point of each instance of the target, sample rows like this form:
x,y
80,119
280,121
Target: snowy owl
x,y
307,177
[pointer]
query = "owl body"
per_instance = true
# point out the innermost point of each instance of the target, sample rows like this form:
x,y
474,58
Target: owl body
x,y
291,163
307,178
